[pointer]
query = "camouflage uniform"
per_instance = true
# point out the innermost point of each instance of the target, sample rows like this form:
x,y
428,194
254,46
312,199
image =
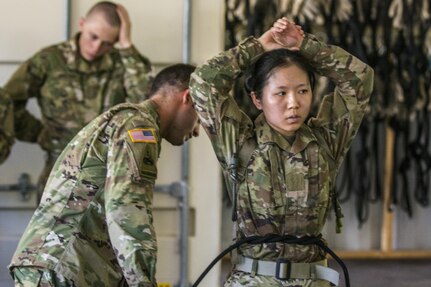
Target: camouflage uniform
x,y
6,125
71,92
94,225
287,187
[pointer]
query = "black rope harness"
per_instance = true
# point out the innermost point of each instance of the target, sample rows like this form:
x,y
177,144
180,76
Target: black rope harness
x,y
273,238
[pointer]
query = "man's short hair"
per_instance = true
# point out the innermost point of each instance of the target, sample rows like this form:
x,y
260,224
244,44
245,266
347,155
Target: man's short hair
x,y
108,10
177,75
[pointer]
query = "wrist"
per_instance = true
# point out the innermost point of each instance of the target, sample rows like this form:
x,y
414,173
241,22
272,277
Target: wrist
x,y
125,44
264,43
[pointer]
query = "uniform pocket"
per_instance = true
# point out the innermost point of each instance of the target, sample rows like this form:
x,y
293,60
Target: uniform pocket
x,y
265,185
60,95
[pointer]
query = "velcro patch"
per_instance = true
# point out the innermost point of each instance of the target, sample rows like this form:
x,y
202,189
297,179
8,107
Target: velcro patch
x,y
142,135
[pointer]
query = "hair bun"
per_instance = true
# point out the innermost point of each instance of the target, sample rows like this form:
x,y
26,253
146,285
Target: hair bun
x,y
249,83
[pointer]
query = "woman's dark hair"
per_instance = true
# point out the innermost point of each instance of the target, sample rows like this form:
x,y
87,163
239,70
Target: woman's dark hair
x,y
258,74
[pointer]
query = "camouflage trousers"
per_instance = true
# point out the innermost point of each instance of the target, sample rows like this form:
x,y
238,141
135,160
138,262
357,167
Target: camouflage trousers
x,y
240,279
34,277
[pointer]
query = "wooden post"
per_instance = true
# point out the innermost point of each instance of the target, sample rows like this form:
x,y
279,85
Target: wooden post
x,y
387,248
386,241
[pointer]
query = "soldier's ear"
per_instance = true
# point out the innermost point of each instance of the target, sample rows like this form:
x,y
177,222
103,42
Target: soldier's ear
x,y
185,97
257,102
81,23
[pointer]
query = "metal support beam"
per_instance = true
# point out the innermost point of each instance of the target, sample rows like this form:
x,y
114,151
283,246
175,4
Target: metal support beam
x,y
67,17
184,203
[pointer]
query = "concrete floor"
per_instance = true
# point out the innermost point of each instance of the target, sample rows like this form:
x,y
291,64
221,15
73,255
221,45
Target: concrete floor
x,y
382,273
379,273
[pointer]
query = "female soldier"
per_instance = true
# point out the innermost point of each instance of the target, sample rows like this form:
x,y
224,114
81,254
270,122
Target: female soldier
x,y
284,166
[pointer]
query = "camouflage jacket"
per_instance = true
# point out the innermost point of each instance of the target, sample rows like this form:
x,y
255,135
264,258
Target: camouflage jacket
x,y
287,187
6,125
71,91
94,224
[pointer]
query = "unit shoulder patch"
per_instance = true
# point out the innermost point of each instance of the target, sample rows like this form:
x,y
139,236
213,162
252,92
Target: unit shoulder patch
x,y
142,135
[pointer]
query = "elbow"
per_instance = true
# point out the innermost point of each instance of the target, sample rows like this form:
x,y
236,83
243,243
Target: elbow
x,y
368,80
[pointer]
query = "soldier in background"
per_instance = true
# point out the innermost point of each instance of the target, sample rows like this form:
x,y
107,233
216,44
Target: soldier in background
x,y
6,125
94,224
77,80
282,167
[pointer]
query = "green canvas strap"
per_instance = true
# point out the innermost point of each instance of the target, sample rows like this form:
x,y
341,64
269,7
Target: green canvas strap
x,y
285,270
334,195
238,170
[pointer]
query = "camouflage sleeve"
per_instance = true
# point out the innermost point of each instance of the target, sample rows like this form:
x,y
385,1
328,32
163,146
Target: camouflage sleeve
x,y
24,84
128,203
210,85
6,125
138,75
340,113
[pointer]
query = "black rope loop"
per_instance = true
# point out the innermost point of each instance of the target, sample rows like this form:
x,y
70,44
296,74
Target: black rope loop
x,y
273,238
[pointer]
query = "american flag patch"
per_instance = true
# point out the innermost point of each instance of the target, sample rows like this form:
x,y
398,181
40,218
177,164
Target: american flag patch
x,y
142,135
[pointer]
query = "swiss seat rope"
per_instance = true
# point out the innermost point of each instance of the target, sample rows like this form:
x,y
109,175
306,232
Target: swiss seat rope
x,y
272,238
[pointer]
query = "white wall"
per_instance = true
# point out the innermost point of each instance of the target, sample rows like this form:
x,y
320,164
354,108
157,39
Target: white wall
x,y
21,26
207,41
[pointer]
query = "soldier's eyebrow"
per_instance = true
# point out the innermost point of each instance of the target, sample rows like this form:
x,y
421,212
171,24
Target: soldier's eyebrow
x,y
95,36
107,43
297,86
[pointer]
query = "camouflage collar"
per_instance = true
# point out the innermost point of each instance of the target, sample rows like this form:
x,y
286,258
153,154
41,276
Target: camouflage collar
x,y
70,51
150,108
147,108
266,134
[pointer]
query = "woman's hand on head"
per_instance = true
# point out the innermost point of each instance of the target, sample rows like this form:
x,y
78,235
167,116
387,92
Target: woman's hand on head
x,y
268,42
287,34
